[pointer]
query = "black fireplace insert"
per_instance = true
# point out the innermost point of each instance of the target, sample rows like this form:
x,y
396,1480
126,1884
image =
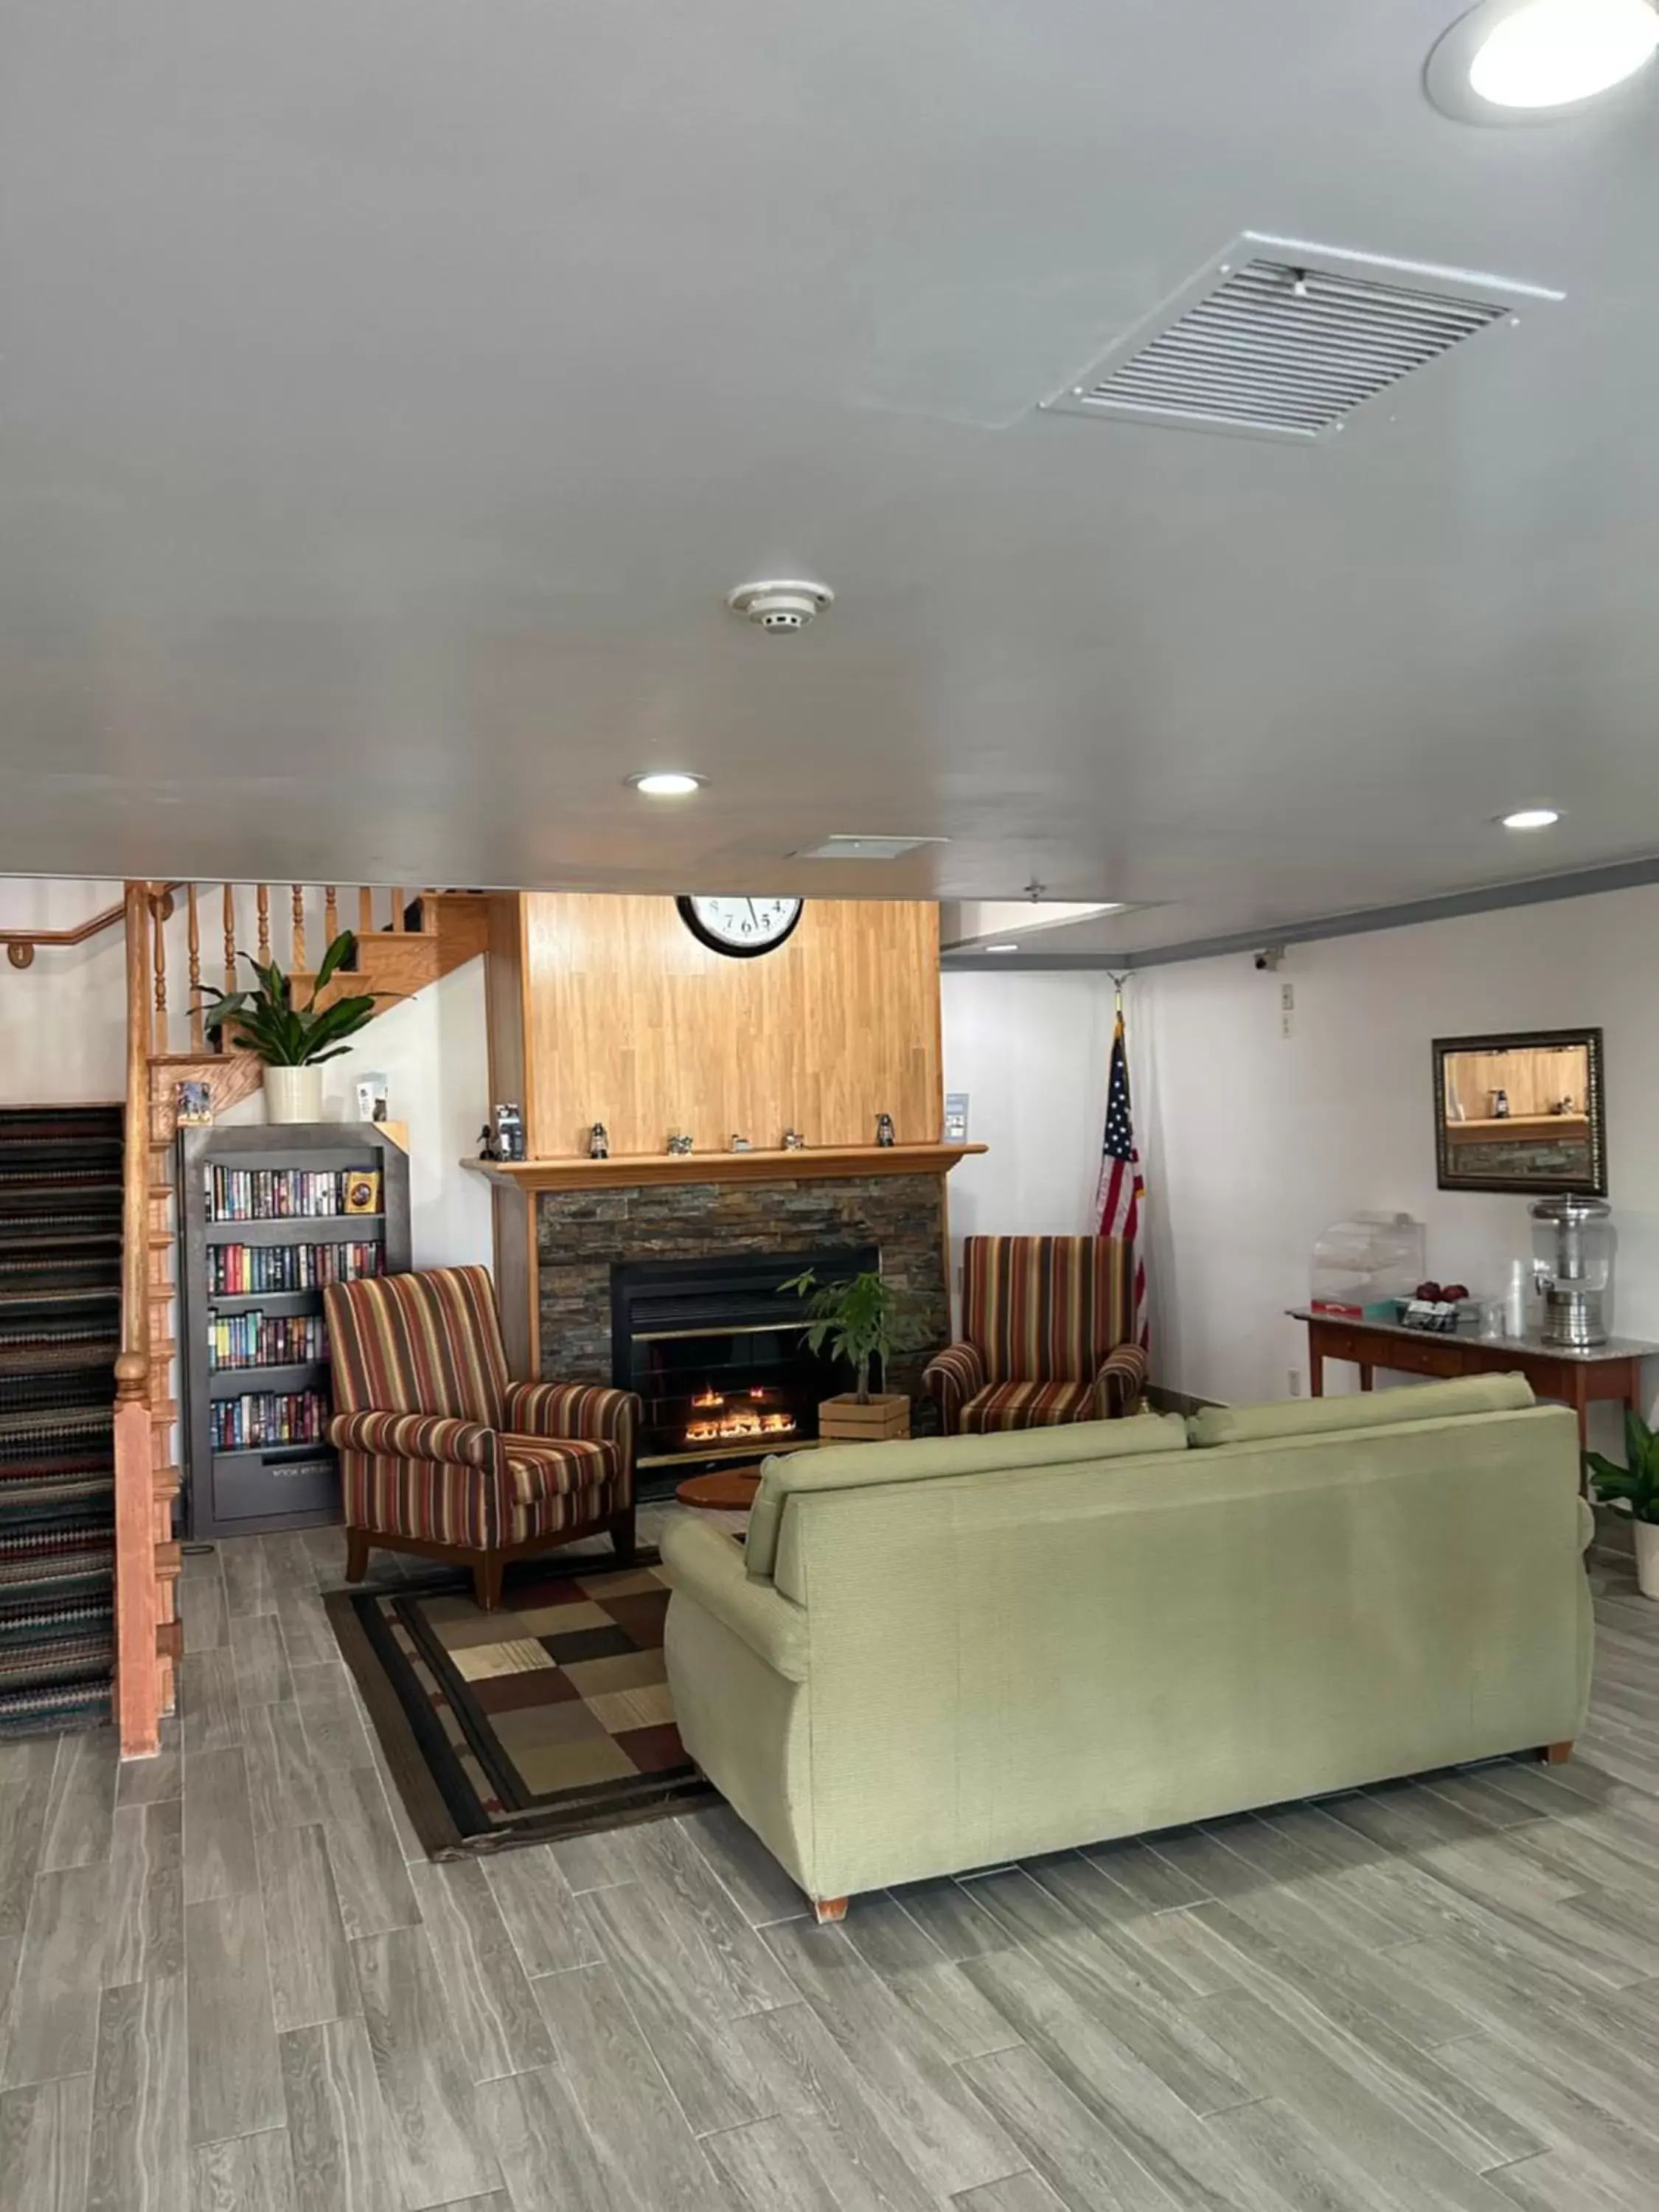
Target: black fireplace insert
x,y
718,1354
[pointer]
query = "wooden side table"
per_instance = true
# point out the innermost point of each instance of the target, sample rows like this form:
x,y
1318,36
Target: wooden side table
x,y
729,1490
1612,1371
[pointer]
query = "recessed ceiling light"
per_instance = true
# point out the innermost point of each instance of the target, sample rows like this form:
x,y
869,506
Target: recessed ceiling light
x,y
666,783
1519,61
1002,948
1530,818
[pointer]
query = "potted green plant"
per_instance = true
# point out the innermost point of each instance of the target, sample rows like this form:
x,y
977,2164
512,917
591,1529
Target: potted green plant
x,y
292,1041
856,1319
1634,1492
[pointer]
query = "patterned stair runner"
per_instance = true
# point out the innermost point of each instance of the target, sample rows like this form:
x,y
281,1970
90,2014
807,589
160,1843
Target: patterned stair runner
x,y
60,1305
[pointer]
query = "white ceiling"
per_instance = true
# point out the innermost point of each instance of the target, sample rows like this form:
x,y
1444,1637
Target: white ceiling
x,y
390,391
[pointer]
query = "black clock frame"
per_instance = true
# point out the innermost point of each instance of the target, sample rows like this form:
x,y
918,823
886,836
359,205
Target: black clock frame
x,y
694,922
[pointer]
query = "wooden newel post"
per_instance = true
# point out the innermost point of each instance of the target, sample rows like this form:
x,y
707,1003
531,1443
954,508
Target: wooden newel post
x,y
137,1673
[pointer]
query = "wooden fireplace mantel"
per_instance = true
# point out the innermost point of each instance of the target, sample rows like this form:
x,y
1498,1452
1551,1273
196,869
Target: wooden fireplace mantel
x,y
635,1170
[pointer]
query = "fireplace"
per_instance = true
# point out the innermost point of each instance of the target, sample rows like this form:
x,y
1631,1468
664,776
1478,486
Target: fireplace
x,y
720,1358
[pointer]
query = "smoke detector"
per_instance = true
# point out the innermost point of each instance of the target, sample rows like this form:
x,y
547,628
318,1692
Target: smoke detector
x,y
781,606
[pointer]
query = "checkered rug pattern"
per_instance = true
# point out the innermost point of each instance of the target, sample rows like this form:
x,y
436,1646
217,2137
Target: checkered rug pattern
x,y
550,1716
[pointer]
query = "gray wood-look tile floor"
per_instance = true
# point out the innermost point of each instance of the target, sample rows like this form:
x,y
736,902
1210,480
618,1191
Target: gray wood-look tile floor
x,y
230,1982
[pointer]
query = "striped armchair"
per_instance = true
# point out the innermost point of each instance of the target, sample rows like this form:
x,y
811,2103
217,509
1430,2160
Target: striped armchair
x,y
1046,1329
441,1453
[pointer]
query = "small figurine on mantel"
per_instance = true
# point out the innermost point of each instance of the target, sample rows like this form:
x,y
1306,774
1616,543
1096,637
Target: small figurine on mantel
x,y
741,1144
793,1141
885,1129
599,1142
486,1144
678,1145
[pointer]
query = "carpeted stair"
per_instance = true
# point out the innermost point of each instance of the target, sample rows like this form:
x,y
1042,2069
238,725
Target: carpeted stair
x,y
60,1309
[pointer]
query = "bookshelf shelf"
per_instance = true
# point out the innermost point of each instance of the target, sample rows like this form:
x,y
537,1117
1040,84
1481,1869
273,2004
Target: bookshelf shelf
x,y
234,1488
299,1229
275,1302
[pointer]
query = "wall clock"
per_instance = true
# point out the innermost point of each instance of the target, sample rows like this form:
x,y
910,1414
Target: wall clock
x,y
743,929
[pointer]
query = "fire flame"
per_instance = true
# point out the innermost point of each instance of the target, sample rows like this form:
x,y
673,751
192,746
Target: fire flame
x,y
741,1423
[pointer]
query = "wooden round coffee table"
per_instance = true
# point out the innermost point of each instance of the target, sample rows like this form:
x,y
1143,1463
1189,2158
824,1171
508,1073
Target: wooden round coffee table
x,y
730,1490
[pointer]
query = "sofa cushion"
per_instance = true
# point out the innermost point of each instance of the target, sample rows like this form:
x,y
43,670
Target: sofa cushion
x,y
1368,1409
1026,1405
923,1459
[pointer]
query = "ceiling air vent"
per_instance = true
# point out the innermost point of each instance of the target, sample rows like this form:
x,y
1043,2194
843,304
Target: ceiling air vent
x,y
842,847
1277,338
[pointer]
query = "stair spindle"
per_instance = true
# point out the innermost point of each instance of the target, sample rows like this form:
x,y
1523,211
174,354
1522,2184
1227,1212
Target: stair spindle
x,y
158,915
264,925
397,913
230,938
194,936
365,915
297,959
330,915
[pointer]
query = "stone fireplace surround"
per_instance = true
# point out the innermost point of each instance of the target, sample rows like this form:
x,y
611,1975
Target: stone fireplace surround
x,y
581,1234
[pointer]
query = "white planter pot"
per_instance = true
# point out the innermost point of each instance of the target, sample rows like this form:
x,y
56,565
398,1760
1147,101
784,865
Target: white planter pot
x,y
294,1094
1646,1533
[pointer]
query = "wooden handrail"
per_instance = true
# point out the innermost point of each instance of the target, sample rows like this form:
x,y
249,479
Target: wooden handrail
x,y
21,944
137,1672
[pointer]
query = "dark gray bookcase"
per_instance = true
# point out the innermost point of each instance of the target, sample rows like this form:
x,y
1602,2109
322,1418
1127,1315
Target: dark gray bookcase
x,y
263,1488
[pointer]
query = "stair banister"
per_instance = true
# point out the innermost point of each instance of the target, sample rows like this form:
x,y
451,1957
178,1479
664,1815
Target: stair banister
x,y
137,1673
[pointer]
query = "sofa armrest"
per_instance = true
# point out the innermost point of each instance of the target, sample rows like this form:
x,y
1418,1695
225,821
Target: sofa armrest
x,y
706,1566
588,1411
415,1436
1121,1381
951,1378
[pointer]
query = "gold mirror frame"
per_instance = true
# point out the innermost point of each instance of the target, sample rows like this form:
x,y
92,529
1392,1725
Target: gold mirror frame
x,y
1593,1184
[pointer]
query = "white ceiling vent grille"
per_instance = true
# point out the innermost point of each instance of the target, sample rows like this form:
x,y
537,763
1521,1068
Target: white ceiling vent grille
x,y
1276,338
842,845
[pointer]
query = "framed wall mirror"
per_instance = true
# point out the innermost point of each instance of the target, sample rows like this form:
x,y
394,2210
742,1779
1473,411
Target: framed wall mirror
x,y
1521,1112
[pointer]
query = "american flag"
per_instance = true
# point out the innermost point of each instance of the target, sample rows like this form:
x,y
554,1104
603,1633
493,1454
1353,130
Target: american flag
x,y
1122,1188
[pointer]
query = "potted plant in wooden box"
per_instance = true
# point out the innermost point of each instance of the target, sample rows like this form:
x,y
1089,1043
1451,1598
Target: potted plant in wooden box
x,y
856,1320
1634,1491
293,1041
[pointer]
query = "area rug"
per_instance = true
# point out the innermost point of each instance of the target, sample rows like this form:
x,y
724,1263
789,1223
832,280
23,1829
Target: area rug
x,y
549,1716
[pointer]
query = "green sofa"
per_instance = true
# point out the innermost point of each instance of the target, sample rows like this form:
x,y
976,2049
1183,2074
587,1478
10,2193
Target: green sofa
x,y
945,1654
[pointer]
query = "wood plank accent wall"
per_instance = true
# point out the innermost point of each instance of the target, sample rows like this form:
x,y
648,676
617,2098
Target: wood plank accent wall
x,y
626,1018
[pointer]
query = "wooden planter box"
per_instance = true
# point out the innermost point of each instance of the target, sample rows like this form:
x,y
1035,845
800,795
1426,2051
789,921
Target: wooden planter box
x,y
844,1420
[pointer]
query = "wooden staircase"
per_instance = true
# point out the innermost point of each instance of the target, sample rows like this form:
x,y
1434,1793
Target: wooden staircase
x,y
402,947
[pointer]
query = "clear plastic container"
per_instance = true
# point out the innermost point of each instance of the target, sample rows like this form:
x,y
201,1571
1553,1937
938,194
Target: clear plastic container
x,y
1363,1265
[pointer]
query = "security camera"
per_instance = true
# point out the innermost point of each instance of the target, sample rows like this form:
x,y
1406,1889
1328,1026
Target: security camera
x,y
1271,956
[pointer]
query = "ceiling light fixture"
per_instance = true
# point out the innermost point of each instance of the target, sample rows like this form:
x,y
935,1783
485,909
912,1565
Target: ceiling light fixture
x,y
1530,818
1002,948
1524,61
666,783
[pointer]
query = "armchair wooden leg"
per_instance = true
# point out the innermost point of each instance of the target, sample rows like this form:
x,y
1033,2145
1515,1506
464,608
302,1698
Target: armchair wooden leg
x,y
356,1567
1555,1754
487,1574
622,1537
830,1908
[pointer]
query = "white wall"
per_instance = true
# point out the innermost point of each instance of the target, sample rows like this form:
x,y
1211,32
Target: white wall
x,y
1257,1141
62,1024
1032,1052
